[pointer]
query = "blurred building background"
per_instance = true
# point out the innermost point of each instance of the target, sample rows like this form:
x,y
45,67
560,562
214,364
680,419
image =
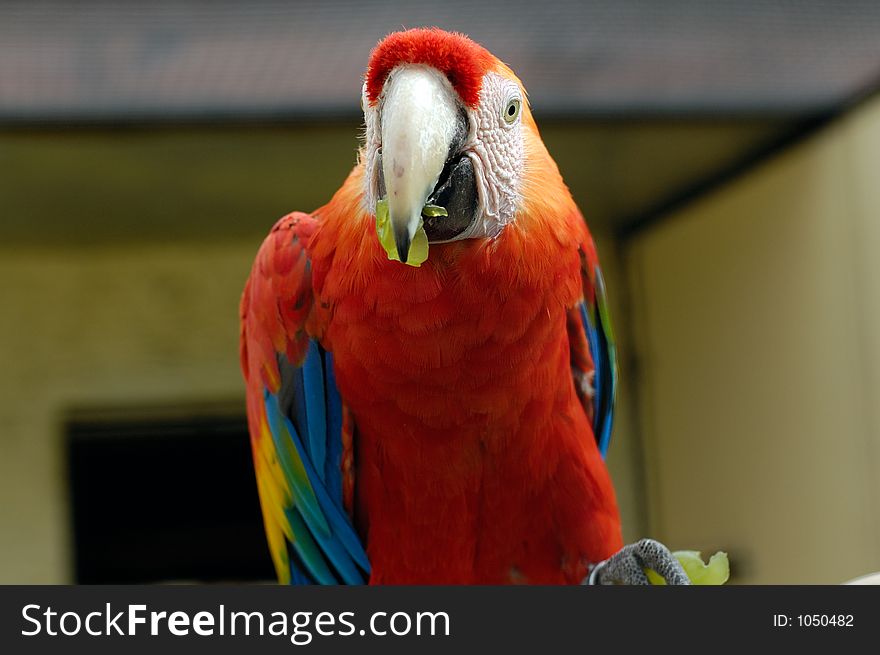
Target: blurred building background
x,y
726,156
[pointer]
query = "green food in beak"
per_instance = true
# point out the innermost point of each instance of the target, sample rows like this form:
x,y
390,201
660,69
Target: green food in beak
x,y
418,250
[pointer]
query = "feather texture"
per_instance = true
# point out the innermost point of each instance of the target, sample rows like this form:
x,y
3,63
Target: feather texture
x,y
295,413
462,61
594,353
439,424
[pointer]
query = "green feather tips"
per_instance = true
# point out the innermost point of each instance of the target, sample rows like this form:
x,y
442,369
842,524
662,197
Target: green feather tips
x,y
715,572
418,249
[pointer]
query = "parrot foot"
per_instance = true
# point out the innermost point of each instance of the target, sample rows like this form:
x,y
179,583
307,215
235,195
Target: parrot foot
x,y
627,566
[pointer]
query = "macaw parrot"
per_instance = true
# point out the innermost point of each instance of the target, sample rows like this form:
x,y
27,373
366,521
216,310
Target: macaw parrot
x,y
428,357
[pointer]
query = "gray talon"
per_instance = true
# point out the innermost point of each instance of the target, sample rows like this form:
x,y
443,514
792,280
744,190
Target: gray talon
x,y
627,565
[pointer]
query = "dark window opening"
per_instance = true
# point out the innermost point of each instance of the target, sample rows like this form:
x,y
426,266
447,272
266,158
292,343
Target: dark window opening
x,y
164,497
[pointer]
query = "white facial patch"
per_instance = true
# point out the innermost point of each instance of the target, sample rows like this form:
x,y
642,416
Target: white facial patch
x,y
496,149
372,150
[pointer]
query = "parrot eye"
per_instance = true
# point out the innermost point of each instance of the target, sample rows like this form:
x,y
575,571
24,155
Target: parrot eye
x,y
511,110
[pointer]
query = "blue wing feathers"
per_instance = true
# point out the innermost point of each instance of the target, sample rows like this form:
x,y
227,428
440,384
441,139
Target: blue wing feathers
x,y
334,514
316,421
602,399
326,548
297,412
333,469
609,363
301,490
307,550
297,574
597,327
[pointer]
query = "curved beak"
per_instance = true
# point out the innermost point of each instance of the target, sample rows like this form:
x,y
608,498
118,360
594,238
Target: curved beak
x,y
419,121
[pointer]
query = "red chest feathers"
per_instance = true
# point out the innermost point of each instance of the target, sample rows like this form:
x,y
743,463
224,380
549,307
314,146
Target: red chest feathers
x,y
474,461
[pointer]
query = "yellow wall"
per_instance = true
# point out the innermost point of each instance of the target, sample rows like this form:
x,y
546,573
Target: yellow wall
x,y
624,459
152,325
91,186
757,315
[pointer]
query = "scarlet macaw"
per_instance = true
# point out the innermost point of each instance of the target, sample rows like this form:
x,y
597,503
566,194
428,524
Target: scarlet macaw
x,y
429,360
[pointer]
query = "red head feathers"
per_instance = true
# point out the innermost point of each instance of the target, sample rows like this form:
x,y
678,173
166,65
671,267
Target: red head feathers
x,y
462,61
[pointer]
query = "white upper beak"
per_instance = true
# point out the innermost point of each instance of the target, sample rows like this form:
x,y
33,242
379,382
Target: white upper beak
x,y
418,120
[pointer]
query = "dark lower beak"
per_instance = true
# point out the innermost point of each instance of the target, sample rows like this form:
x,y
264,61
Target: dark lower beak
x,y
456,191
401,238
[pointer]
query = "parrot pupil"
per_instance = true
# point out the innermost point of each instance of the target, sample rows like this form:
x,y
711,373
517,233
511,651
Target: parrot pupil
x,y
511,111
